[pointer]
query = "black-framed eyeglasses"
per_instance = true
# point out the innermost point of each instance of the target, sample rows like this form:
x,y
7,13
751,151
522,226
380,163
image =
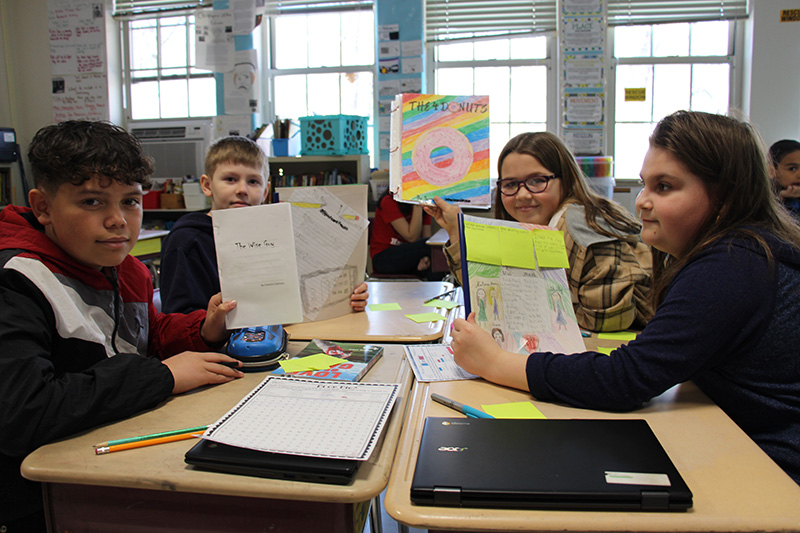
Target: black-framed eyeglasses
x,y
534,184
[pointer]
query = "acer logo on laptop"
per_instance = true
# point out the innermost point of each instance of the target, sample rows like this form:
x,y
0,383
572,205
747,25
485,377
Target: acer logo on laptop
x,y
451,449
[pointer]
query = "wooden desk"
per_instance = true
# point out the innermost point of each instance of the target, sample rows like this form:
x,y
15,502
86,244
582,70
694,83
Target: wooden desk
x,y
382,326
149,489
736,486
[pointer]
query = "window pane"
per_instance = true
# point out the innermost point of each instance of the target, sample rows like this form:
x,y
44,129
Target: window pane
x,y
494,49
671,89
357,95
631,142
455,52
634,77
632,41
710,38
144,53
529,48
323,94
528,102
144,100
173,46
202,97
358,38
324,40
671,40
711,88
290,96
499,134
515,128
293,31
174,99
454,81
494,81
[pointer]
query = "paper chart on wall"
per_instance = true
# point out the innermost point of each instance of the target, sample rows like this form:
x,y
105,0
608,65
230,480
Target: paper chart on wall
x,y
515,292
440,147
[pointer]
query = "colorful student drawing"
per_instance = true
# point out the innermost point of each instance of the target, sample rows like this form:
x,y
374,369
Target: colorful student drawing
x,y
440,147
525,308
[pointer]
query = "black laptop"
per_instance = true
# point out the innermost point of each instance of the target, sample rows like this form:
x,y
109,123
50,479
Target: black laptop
x,y
546,464
209,455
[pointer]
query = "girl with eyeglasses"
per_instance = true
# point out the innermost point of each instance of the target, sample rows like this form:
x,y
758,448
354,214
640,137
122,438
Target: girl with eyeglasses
x,y
540,183
726,290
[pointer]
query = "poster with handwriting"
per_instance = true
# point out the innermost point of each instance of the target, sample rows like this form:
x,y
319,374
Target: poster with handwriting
x,y
440,147
517,285
258,265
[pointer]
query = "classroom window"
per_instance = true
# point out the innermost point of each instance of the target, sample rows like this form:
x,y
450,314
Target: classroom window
x,y
514,72
323,64
679,66
162,81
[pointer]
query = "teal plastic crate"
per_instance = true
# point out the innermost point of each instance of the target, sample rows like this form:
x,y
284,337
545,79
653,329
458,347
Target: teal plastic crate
x,y
333,135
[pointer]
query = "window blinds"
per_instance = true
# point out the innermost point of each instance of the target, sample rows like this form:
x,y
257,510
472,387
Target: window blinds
x,y
454,19
130,8
291,7
629,12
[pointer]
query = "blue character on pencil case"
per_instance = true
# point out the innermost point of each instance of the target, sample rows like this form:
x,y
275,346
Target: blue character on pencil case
x,y
259,348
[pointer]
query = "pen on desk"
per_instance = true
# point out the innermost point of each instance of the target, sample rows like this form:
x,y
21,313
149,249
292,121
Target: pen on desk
x,y
429,300
151,436
466,409
142,443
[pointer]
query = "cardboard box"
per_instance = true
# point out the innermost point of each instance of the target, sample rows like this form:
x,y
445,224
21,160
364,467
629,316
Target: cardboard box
x,y
171,201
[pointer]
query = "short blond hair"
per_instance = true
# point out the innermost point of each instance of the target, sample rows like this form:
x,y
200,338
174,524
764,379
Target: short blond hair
x,y
238,150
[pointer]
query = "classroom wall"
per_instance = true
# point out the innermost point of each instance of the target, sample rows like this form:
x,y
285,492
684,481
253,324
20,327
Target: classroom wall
x,y
770,89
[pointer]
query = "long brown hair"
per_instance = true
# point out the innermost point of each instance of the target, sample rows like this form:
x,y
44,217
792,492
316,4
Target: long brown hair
x,y
556,157
727,155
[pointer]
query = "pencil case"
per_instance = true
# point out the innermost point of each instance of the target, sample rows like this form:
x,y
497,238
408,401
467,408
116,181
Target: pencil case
x,y
259,348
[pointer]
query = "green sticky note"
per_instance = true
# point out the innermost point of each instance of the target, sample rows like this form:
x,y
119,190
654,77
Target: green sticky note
x,y
425,317
603,349
617,336
443,304
513,410
384,307
551,252
319,361
516,245
483,243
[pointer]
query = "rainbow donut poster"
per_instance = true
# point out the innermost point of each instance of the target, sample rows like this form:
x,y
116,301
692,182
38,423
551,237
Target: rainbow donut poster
x,y
440,147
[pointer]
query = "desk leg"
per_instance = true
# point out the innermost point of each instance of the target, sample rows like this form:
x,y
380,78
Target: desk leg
x,y
375,524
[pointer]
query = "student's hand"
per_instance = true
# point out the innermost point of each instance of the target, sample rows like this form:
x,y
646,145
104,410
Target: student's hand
x,y
476,351
446,215
358,300
792,191
214,330
194,369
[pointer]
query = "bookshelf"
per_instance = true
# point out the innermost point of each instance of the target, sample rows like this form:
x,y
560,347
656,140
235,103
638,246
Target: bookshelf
x,y
354,165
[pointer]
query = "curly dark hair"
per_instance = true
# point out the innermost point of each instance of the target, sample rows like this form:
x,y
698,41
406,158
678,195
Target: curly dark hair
x,y
77,150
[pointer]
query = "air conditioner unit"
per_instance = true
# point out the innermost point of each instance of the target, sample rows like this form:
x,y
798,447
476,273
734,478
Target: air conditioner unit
x,y
178,147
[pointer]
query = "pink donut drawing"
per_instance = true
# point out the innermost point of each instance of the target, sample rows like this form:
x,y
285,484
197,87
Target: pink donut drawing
x,y
446,137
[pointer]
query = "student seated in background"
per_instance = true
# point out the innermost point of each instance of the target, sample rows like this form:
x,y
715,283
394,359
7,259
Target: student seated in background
x,y
610,268
727,290
82,344
399,232
784,158
235,176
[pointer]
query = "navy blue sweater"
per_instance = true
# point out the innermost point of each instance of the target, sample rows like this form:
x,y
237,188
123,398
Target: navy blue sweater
x,y
189,275
729,323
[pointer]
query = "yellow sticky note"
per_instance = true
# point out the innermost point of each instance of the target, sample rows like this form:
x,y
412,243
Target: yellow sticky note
x,y
319,361
384,307
551,252
483,243
617,336
306,205
603,349
425,317
513,410
444,304
516,246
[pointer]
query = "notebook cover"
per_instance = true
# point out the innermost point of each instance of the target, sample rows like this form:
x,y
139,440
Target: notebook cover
x,y
358,359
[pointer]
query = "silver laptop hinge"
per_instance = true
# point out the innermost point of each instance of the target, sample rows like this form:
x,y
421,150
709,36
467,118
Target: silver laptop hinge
x,y
446,496
655,500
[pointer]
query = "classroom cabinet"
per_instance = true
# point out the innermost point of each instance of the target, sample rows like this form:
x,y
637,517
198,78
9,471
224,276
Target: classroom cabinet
x,y
319,170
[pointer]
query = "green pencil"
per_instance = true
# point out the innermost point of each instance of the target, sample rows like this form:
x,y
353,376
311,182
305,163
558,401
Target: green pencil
x,y
153,436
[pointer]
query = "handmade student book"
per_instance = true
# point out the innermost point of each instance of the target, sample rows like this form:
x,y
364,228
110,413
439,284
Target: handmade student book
x,y
514,279
440,147
357,359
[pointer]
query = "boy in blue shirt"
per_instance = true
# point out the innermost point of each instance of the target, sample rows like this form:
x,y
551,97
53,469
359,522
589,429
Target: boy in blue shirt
x,y
82,342
235,176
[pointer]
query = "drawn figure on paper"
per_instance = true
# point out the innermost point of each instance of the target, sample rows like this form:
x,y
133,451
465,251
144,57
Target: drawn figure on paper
x,y
493,298
498,336
481,318
558,307
429,162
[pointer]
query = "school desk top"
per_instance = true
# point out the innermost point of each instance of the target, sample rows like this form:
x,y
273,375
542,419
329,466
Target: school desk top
x,y
154,485
736,486
382,326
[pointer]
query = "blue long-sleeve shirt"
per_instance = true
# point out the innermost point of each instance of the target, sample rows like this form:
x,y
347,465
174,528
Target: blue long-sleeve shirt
x,y
728,322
